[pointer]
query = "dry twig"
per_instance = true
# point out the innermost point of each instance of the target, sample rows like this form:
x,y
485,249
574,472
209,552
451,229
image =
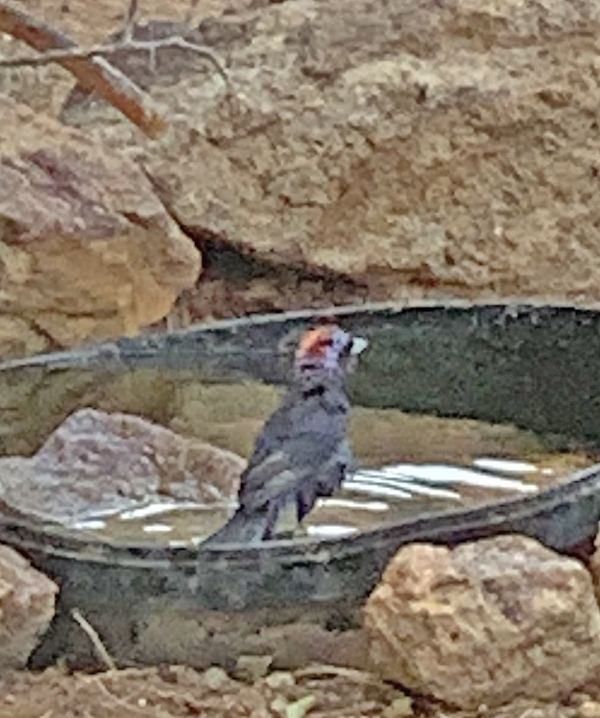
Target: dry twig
x,y
129,21
325,670
96,51
94,73
92,634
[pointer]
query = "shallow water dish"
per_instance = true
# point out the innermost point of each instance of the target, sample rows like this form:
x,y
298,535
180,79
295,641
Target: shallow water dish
x,y
536,367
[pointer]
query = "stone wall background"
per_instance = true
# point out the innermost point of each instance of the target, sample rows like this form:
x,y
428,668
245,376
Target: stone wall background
x,y
369,150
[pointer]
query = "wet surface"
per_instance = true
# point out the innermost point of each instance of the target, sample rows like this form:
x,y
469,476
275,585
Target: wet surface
x,y
220,382
510,367
411,465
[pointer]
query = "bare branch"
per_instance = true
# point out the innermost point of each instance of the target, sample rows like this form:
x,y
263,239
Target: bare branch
x,y
130,21
96,51
94,73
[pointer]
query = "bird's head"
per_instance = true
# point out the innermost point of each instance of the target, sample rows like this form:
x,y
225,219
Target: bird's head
x,y
326,353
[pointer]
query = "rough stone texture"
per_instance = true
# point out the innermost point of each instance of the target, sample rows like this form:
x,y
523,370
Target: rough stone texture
x,y
26,607
86,248
594,565
485,623
96,462
171,691
409,148
369,150
18,337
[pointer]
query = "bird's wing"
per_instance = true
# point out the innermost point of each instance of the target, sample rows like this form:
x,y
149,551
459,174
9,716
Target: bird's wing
x,y
296,459
298,440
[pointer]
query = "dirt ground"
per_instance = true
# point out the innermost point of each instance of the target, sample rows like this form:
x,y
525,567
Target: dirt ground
x,y
178,691
170,691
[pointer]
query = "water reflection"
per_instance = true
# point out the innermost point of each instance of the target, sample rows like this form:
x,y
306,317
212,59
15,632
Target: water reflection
x,y
408,476
369,498
446,463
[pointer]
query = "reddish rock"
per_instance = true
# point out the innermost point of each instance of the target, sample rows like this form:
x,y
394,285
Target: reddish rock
x,y
26,607
485,623
96,462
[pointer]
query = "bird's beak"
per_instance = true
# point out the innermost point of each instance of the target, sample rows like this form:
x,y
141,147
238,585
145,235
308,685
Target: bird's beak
x,y
359,344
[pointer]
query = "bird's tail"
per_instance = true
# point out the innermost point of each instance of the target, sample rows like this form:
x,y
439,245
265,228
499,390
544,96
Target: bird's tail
x,y
243,527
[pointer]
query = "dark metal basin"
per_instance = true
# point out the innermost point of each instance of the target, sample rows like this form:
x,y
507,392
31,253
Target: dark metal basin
x,y
537,367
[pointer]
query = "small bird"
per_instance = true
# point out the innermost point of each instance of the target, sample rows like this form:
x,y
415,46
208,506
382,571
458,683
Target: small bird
x,y
303,451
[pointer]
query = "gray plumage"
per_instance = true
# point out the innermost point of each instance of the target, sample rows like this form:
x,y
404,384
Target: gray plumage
x,y
302,451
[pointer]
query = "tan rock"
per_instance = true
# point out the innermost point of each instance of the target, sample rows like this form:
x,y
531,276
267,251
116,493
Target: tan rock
x,y
399,708
87,250
19,338
96,462
448,149
370,150
589,709
594,565
26,607
485,623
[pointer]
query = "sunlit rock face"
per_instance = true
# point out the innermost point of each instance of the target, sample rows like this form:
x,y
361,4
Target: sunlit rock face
x,y
382,150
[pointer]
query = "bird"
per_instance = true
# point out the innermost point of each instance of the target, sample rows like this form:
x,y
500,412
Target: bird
x,y
303,451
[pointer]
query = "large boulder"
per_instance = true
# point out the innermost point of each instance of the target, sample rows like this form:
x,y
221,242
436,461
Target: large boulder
x,y
486,622
87,250
27,600
364,150
383,149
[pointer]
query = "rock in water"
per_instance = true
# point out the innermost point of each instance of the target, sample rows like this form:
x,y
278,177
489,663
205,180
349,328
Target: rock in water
x,y
485,622
26,607
99,462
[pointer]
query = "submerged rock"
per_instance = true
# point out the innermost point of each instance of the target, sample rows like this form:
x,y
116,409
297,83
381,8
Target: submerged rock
x,y
97,462
26,607
486,622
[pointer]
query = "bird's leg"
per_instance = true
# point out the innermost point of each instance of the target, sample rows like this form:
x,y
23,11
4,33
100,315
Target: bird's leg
x,y
299,501
305,500
272,516
306,496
